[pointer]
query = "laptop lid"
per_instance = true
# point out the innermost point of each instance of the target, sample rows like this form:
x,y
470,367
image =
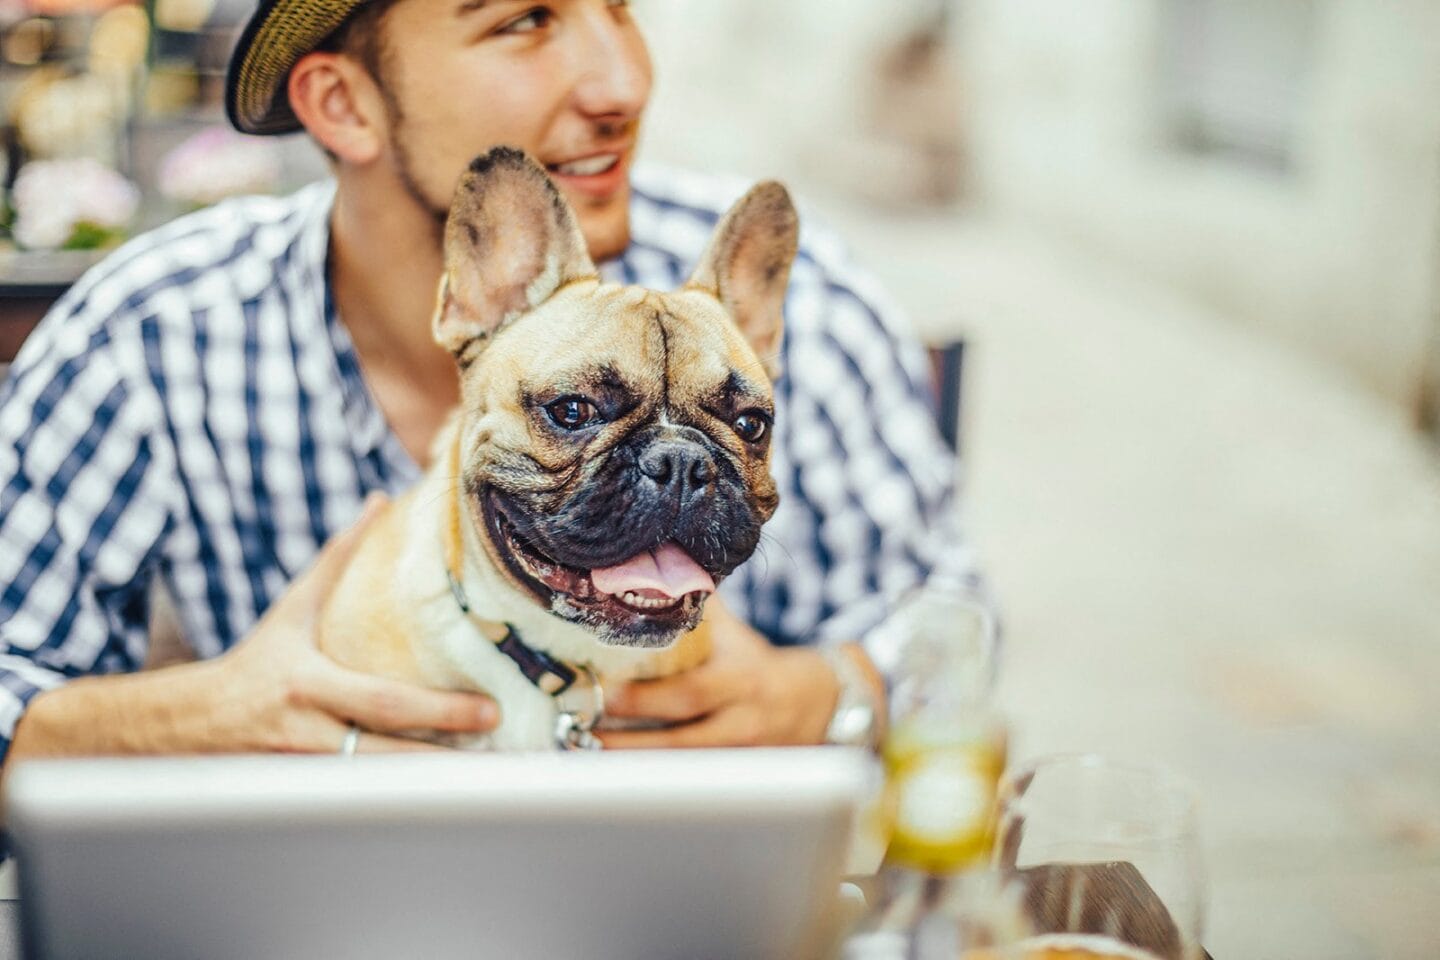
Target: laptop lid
x,y
685,854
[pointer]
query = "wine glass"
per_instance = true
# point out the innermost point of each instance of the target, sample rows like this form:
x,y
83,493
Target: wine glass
x,y
1108,854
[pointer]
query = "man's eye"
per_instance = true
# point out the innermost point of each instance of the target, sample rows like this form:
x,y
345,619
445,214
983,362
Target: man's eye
x,y
572,413
752,426
536,19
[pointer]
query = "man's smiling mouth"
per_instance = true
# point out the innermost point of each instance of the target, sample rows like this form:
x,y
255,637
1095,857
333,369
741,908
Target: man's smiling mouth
x,y
588,167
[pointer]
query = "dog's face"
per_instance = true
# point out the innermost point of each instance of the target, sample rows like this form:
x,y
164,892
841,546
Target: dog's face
x,y
615,440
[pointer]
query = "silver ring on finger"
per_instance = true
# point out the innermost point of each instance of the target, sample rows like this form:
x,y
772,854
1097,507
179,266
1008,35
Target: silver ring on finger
x,y
351,741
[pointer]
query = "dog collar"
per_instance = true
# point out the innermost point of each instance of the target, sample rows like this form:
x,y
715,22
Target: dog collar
x,y
574,725
552,676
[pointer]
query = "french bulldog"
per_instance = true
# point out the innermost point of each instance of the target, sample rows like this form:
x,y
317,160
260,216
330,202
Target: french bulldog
x,y
607,467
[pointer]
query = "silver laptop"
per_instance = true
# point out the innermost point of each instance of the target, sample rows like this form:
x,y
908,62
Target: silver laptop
x,y
640,856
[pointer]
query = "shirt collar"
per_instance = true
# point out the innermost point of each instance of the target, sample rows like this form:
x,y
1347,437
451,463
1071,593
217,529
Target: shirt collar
x,y
369,432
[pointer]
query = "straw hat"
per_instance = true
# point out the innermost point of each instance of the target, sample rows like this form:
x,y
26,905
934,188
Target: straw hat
x,y
280,33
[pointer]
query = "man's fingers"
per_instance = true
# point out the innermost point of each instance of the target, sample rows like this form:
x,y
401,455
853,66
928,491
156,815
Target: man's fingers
x,y
728,728
392,706
685,696
329,735
689,735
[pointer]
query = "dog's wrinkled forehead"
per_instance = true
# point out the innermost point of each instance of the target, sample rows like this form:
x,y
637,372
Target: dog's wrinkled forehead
x,y
628,344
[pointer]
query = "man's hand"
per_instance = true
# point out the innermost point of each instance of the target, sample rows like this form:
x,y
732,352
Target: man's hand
x,y
282,694
749,693
275,691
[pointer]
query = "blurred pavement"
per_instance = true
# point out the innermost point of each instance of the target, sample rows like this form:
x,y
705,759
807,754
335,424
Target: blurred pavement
x,y
1210,552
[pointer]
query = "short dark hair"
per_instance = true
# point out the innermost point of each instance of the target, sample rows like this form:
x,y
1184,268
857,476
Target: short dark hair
x,y
361,36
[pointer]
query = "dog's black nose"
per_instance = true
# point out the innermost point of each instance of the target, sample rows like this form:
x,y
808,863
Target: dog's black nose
x,y
682,466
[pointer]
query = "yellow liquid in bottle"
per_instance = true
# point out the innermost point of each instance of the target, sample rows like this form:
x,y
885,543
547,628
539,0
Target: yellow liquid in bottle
x,y
941,788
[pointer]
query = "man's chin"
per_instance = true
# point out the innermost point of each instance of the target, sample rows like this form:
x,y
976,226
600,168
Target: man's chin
x,y
606,226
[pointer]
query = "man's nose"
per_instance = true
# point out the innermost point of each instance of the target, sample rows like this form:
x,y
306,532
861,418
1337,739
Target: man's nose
x,y
613,65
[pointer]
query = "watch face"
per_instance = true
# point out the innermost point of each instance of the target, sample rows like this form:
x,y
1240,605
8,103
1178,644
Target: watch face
x,y
852,726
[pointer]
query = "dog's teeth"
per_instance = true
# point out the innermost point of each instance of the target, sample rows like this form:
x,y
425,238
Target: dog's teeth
x,y
588,167
632,599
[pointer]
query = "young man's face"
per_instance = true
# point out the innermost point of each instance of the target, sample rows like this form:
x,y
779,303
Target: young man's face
x,y
565,80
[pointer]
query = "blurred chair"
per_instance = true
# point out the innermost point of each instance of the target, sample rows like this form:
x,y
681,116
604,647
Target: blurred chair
x,y
946,361
168,645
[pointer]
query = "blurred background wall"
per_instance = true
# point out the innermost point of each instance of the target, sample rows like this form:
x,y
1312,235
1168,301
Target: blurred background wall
x,y
1277,159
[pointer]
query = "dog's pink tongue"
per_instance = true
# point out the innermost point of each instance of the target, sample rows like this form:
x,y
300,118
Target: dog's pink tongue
x,y
667,568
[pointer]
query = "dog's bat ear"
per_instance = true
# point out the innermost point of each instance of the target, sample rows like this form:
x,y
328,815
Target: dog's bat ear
x,y
511,241
747,266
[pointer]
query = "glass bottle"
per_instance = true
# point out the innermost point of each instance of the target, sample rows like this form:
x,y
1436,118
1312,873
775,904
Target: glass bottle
x,y
943,754
945,748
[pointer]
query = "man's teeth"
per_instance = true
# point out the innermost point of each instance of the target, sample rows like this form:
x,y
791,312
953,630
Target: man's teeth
x,y
633,599
588,167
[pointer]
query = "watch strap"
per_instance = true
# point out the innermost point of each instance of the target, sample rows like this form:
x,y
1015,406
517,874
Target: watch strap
x,y
856,720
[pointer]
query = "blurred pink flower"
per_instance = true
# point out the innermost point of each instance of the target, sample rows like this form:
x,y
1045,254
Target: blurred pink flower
x,y
53,197
217,163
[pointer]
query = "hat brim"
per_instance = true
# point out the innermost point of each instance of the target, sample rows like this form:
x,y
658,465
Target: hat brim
x,y
278,35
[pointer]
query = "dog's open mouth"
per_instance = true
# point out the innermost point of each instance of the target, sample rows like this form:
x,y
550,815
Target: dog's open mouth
x,y
653,594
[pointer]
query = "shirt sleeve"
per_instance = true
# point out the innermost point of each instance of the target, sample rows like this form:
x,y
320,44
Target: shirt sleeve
x,y
869,457
81,513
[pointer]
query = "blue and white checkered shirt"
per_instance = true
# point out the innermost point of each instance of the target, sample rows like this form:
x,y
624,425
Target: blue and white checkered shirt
x,y
193,410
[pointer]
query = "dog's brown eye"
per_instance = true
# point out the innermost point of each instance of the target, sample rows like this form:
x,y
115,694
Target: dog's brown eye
x,y
572,413
751,426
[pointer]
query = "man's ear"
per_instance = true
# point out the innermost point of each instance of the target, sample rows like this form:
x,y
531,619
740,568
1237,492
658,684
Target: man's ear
x,y
747,266
511,241
339,104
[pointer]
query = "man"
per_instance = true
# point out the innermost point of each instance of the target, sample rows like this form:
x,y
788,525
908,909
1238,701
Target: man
x,y
214,402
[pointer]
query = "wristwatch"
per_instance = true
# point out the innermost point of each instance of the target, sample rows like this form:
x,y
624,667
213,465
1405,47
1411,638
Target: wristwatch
x,y
856,720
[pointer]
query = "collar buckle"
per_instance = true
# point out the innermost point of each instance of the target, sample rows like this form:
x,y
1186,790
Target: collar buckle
x,y
575,728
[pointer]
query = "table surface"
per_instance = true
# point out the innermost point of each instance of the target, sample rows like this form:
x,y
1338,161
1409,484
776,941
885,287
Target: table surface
x,y
43,271
10,946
